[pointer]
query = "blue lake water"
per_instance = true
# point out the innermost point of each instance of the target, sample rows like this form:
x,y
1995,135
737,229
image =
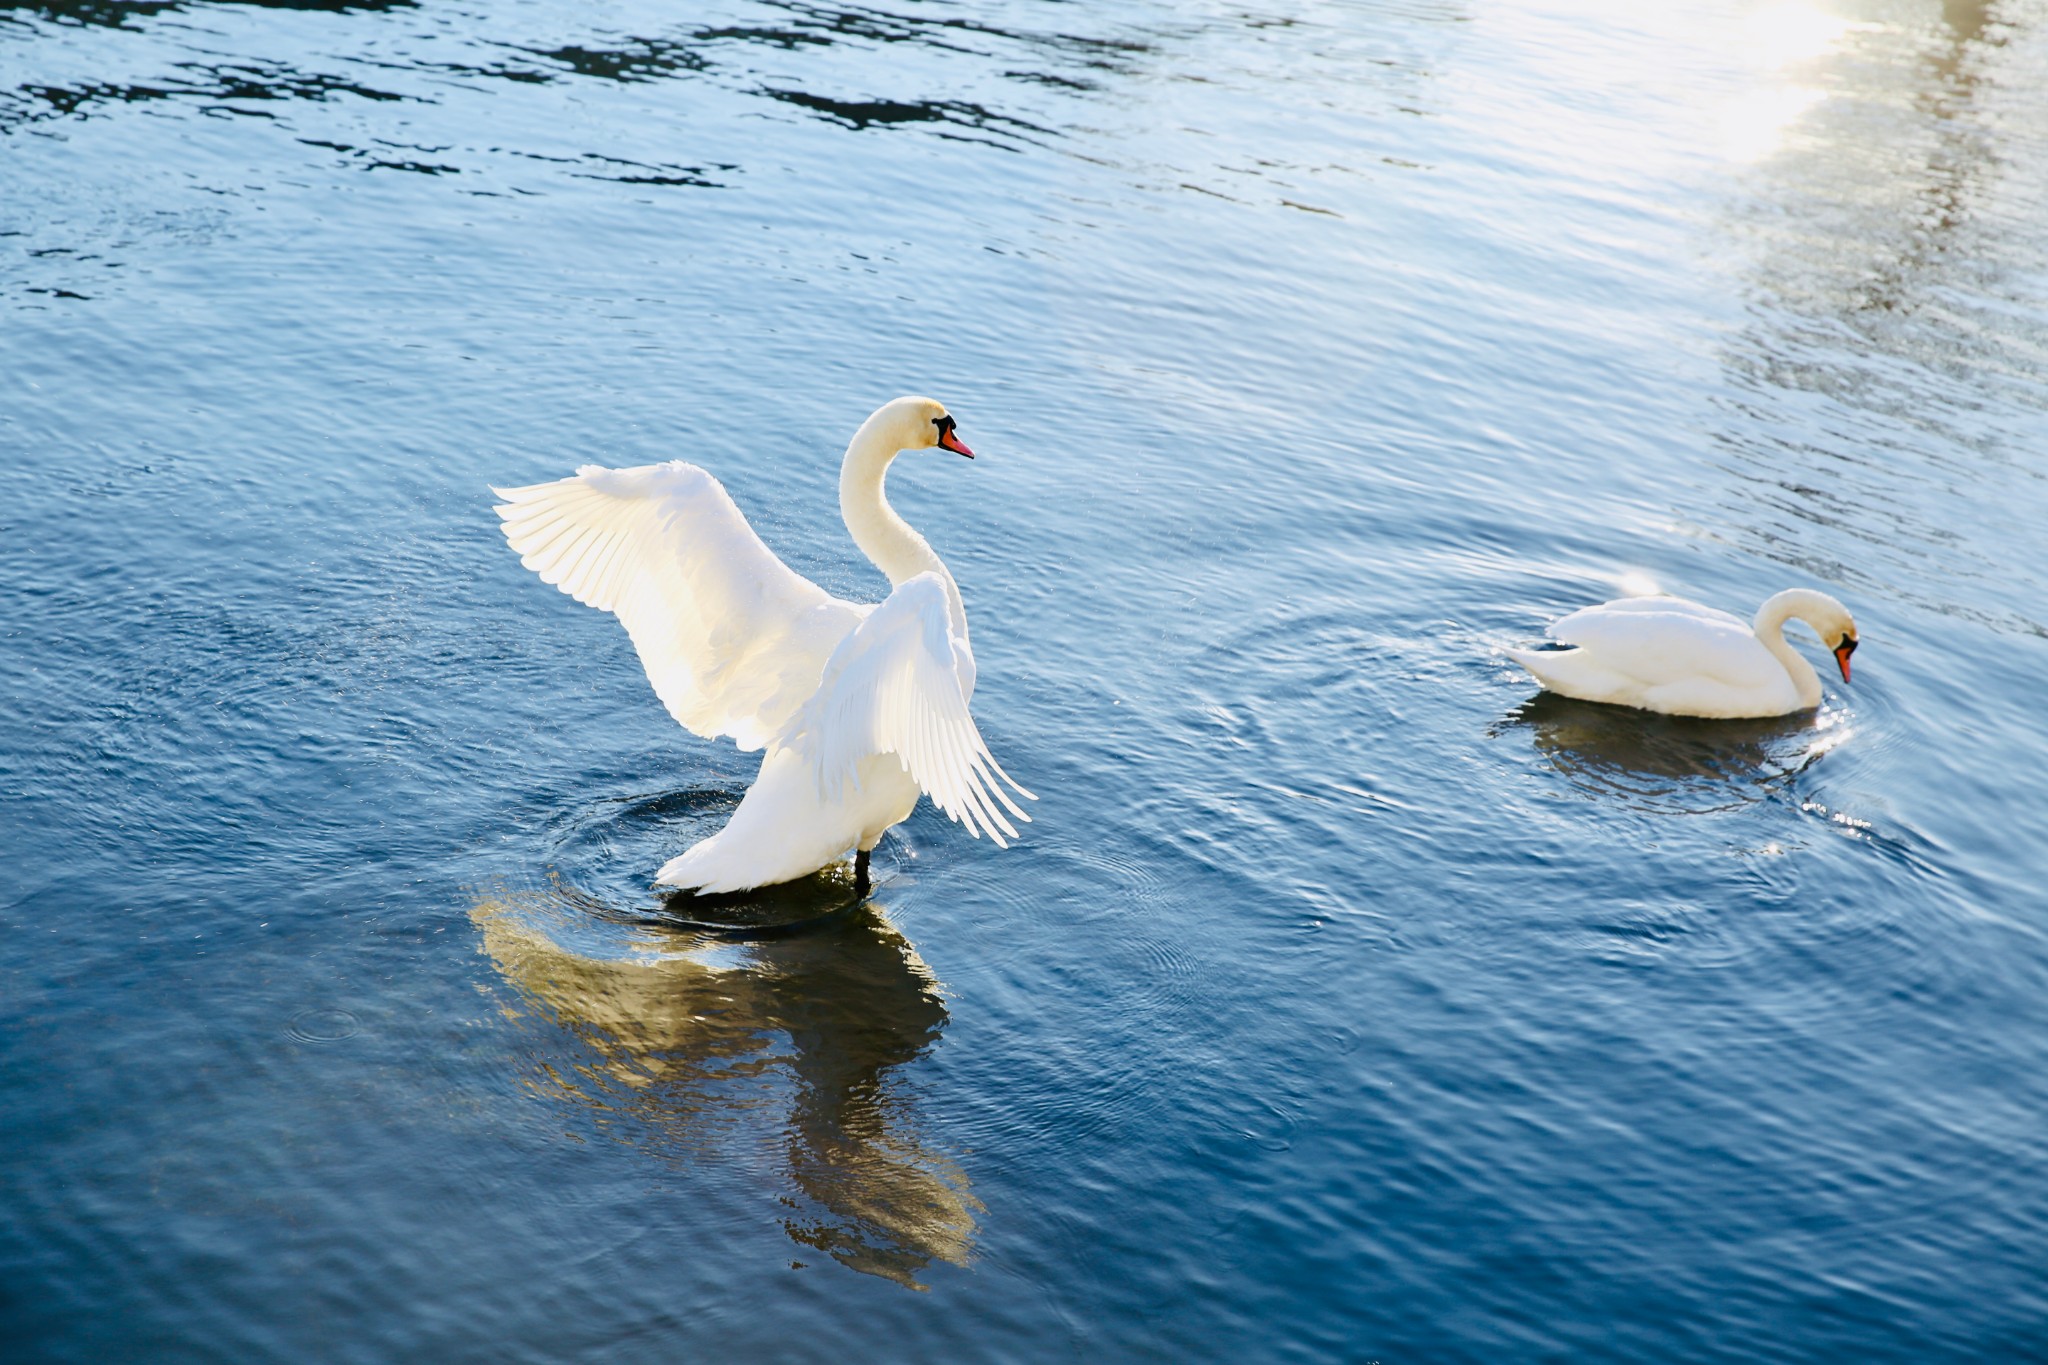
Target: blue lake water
x,y
1346,1001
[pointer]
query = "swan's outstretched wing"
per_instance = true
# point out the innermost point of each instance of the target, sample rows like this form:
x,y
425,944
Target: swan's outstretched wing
x,y
732,639
1657,648
899,684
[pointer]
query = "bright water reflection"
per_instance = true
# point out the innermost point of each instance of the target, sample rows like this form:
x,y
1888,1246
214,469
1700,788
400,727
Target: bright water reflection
x,y
678,1041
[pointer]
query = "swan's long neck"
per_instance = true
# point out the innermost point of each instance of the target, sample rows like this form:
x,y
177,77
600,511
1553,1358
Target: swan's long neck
x,y
883,536
1770,632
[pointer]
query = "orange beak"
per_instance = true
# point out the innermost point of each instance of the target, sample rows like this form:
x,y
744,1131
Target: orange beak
x,y
1842,653
948,441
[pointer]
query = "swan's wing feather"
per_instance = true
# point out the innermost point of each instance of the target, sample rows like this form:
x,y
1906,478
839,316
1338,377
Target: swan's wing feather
x,y
1657,605
899,684
1660,648
732,638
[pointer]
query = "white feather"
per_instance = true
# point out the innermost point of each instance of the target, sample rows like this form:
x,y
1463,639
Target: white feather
x,y
732,639
900,684
1680,658
859,708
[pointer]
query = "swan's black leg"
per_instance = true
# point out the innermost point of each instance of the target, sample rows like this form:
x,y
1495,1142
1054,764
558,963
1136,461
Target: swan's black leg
x,y
861,884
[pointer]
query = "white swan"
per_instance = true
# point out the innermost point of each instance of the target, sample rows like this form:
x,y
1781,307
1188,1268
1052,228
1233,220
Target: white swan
x,y
1670,655
858,707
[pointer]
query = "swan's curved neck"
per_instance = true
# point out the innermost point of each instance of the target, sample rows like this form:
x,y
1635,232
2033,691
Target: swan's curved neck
x,y
883,536
1770,632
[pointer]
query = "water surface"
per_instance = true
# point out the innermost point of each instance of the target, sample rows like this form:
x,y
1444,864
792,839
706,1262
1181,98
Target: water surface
x,y
1346,1001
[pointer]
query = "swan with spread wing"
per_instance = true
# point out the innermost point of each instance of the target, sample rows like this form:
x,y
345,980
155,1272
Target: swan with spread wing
x,y
858,708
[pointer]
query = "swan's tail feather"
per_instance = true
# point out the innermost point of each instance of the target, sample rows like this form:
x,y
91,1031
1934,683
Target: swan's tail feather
x,y
707,867
1577,673
1551,668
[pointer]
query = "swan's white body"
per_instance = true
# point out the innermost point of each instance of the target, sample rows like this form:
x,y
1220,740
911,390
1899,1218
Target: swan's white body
x,y
1683,659
859,708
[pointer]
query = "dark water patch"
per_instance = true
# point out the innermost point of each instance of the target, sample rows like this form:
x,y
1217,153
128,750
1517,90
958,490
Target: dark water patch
x,y
378,158
860,115
205,85
1671,764
119,13
624,172
638,59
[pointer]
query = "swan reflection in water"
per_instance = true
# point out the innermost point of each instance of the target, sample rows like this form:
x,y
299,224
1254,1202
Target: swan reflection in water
x,y
687,1037
1672,764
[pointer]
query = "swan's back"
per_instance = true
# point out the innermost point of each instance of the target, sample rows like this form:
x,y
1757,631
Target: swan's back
x,y
1657,605
1661,641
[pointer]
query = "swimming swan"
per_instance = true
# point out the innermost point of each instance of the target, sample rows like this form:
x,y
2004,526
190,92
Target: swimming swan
x,y
1670,655
859,708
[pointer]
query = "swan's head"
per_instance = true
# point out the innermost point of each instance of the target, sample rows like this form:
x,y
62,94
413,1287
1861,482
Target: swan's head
x,y
1830,620
1837,630
917,424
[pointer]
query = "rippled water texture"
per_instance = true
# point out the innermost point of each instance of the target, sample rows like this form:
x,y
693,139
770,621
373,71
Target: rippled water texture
x,y
1347,1001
